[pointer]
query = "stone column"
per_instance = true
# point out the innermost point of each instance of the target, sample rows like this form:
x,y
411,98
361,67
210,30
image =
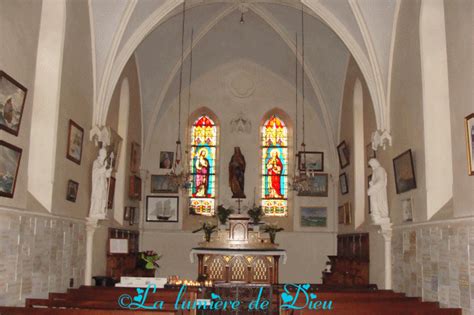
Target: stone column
x,y
386,231
91,227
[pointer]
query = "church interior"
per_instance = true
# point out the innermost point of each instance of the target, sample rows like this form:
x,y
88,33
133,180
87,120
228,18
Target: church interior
x,y
323,147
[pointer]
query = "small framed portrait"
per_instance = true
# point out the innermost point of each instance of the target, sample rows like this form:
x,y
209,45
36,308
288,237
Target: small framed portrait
x,y
113,150
72,190
315,185
135,157
74,142
343,153
311,161
166,159
162,208
404,172
341,217
369,178
10,157
369,152
313,216
135,187
343,183
469,121
163,184
347,213
110,199
407,209
12,102
127,213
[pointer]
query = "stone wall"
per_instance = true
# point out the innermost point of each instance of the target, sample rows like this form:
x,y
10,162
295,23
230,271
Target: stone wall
x,y
436,261
38,254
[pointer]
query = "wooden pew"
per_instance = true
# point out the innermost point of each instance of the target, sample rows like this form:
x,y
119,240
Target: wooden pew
x,y
58,311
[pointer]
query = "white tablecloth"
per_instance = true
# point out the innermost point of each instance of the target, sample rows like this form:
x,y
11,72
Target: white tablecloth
x,y
281,253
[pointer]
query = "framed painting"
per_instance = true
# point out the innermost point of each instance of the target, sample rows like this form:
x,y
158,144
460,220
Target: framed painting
x,y
135,187
369,178
343,154
404,172
344,186
110,199
127,213
369,152
74,142
347,213
163,184
135,158
72,190
113,150
10,157
12,102
162,208
166,159
315,186
341,218
469,121
311,161
313,216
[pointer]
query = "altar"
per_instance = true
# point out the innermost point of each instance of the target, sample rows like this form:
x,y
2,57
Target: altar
x,y
238,255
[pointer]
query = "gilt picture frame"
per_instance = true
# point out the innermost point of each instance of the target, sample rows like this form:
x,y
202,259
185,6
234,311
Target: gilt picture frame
x,y
404,172
163,184
344,185
469,123
75,141
10,157
343,154
316,185
12,103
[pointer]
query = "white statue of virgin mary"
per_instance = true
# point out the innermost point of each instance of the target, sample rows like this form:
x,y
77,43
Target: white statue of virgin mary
x,y
378,193
99,197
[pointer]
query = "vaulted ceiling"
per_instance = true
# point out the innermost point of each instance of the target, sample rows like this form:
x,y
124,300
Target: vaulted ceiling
x,y
334,30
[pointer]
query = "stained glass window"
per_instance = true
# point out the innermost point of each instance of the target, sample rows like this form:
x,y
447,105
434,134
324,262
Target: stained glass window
x,y
274,144
202,165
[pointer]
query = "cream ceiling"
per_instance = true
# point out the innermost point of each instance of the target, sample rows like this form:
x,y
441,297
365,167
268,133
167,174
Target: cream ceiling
x,y
334,29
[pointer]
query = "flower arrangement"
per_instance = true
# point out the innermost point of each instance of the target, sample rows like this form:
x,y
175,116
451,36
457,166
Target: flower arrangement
x,y
272,230
208,229
256,214
223,213
148,259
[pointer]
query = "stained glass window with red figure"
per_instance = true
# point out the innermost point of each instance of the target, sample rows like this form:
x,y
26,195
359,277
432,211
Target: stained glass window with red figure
x,y
274,145
202,165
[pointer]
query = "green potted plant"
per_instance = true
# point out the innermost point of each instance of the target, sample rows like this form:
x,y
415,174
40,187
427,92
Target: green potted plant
x,y
272,230
148,260
223,214
256,214
208,229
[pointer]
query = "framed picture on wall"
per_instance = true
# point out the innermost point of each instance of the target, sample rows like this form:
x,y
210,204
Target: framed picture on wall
x,y
341,218
163,184
369,178
113,150
343,153
12,102
343,183
369,152
469,121
313,216
10,157
162,208
135,187
166,159
407,209
74,142
110,200
347,213
135,158
311,161
315,185
72,190
127,213
404,172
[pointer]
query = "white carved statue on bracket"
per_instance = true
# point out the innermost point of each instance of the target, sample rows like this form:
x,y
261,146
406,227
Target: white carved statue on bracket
x,y
99,196
380,139
378,193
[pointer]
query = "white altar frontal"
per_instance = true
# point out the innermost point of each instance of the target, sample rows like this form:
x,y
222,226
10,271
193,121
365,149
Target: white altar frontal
x,y
238,255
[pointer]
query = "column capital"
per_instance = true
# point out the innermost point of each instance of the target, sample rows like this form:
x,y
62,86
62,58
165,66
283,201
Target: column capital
x,y
380,138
